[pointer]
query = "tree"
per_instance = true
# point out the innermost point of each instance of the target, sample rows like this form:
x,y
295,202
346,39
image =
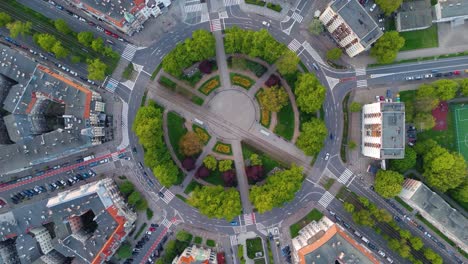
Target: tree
x,y
426,98
386,47
394,244
352,145
316,27
85,38
273,99
189,163
16,28
255,160
134,198
424,121
210,162
202,172
461,192
126,187
416,242
408,162
334,54
363,217
273,80
364,201
287,63
75,59
444,170
5,19
166,173
46,41
205,67
59,50
422,147
312,137
355,107
446,89
405,250
389,6
96,70
310,94
62,26
184,236
229,178
124,251
349,207
464,86
216,201
190,144
225,165
429,254
405,234
388,183
97,44
254,173
279,188
141,205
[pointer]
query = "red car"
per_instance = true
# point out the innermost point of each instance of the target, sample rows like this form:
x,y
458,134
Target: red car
x,y
114,35
456,72
382,98
108,32
152,229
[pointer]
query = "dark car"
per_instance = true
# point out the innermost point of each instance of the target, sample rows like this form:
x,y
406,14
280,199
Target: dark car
x,y
372,246
160,194
69,12
448,74
398,219
438,75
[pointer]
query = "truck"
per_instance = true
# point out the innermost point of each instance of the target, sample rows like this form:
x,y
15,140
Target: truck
x,y
90,157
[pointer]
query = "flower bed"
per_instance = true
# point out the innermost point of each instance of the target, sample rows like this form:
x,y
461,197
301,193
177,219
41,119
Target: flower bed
x,y
241,80
265,115
210,85
202,134
222,148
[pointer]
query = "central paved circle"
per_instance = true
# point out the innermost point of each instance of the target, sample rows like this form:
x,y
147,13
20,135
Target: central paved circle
x,y
236,107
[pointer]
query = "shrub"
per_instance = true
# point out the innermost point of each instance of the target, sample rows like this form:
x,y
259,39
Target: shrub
x,y
229,178
210,85
202,172
202,134
223,148
188,163
240,80
205,67
166,82
254,173
265,118
274,7
272,80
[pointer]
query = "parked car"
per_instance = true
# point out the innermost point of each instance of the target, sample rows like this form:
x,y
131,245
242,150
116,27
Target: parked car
x,y
372,7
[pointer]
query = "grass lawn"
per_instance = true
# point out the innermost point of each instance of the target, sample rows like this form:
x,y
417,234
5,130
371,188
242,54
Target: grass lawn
x,y
254,245
240,253
176,128
192,185
197,100
311,216
215,178
268,162
194,79
260,261
420,39
405,205
328,184
285,125
127,73
182,198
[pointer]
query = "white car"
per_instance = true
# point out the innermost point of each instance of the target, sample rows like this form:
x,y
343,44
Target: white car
x,y
372,7
73,73
100,28
427,76
266,24
381,253
409,78
327,156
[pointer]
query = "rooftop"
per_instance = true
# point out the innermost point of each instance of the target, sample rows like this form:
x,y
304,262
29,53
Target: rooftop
x,y
393,130
414,15
451,9
357,18
115,10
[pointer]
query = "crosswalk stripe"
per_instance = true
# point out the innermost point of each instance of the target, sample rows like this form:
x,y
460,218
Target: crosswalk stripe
x,y
345,176
215,25
233,239
111,85
231,2
193,8
361,83
115,156
129,52
168,196
294,45
166,223
326,199
360,71
249,219
297,17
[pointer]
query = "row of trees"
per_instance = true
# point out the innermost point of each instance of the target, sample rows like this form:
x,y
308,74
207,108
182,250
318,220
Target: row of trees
x,y
148,128
198,48
216,201
211,164
310,93
278,189
312,137
133,197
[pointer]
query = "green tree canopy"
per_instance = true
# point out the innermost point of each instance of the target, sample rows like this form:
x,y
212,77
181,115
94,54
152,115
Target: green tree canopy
x,y
210,162
5,19
134,198
355,107
255,160
424,121
59,50
183,235
394,244
126,187
288,62
388,183
310,94
16,28
334,54
464,86
349,207
215,201
97,44
85,38
389,6
167,173
46,41
96,70
273,99
408,162
363,217
461,192
312,137
62,26
225,165
386,48
278,189
446,89
416,242
316,27
124,251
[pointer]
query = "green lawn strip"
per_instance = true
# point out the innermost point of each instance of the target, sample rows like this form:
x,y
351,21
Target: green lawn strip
x,y
215,178
176,129
181,198
140,230
240,253
255,2
149,213
206,138
197,240
285,124
344,138
156,71
328,184
127,73
194,79
260,261
268,162
222,148
274,7
270,253
166,82
437,231
405,205
313,215
197,100
204,89
241,80
192,185
303,67
464,254
143,99
255,67
420,39
210,243
254,245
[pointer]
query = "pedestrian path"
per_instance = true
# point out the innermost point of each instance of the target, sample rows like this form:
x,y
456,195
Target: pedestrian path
x,y
215,25
111,85
168,196
233,239
129,52
326,199
344,177
294,45
231,2
249,219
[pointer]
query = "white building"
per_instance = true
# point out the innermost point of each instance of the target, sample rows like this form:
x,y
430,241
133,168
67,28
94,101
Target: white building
x,y
383,130
196,255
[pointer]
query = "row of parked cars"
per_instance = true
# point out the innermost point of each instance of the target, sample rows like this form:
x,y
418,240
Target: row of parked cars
x,y
434,74
142,242
27,194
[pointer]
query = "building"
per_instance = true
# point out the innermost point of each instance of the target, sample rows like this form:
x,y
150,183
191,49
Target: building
x,y
45,114
83,225
350,25
383,130
440,214
127,16
454,11
196,255
414,15
326,242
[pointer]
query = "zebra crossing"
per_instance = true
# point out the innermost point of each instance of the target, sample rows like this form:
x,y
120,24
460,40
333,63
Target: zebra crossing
x,y
344,177
168,196
112,85
361,83
360,71
233,239
231,2
129,52
240,229
223,14
193,8
215,25
294,45
297,17
249,219
326,199
115,156
166,223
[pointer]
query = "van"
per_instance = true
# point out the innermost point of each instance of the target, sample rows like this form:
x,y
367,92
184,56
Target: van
x,y
365,239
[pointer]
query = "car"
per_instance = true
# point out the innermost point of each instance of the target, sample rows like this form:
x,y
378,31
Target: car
x,y
398,219
427,234
59,7
441,245
427,76
409,78
149,233
107,32
447,74
332,213
82,19
438,75
382,98
69,12
338,218
389,93
418,77
381,20
91,82
70,182
121,39
154,225
91,23
371,9
161,195
114,35
266,24
382,28
234,223
346,225
389,260
152,229
327,156
100,29
103,161
127,158
73,73
381,253
377,98
75,16
372,246
420,227
457,72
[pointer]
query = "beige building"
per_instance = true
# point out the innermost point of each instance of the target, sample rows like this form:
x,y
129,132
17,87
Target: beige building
x,y
196,255
350,25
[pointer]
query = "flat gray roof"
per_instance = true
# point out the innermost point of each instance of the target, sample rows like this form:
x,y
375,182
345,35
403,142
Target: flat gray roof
x,y
414,15
393,130
454,8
